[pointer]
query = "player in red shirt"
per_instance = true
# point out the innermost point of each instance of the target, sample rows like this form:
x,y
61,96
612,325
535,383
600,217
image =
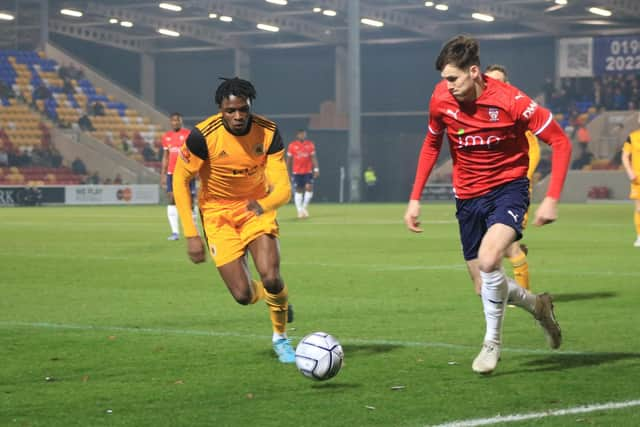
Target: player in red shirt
x,y
485,121
303,163
171,142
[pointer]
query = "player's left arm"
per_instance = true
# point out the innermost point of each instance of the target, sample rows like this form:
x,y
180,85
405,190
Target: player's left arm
x,y
541,123
626,160
277,176
316,165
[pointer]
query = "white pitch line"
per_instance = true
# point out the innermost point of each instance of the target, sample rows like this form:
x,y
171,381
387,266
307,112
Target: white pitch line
x,y
533,415
196,332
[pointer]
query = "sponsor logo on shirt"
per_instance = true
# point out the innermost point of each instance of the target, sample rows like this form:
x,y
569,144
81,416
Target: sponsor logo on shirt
x,y
530,110
185,154
452,113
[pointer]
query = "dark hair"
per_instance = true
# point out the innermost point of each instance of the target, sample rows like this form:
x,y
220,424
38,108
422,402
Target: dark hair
x,y
497,67
176,114
461,52
236,87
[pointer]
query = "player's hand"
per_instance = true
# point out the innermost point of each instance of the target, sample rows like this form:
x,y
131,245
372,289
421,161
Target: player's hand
x,y
316,173
255,207
195,249
547,212
163,180
411,216
633,178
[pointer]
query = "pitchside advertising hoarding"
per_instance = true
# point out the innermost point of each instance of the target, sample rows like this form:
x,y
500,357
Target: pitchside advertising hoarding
x,y
17,195
111,194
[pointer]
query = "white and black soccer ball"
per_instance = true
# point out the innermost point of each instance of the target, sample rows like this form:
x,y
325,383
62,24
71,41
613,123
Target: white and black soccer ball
x,y
319,356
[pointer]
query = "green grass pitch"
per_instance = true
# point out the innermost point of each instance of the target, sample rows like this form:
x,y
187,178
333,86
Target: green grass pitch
x,y
103,322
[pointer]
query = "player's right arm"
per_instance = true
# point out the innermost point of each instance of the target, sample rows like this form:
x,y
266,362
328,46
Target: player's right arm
x,y
192,156
427,160
165,163
626,160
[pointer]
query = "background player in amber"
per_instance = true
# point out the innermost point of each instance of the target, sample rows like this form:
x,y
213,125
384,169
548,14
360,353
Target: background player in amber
x,y
631,163
239,157
517,252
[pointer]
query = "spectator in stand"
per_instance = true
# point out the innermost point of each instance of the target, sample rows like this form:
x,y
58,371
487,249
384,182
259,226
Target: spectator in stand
x,y
583,137
94,178
97,108
41,92
4,158
148,153
78,167
85,123
6,91
67,87
55,156
584,158
118,179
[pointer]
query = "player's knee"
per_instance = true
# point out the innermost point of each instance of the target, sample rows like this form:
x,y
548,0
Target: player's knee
x,y
242,298
489,261
273,284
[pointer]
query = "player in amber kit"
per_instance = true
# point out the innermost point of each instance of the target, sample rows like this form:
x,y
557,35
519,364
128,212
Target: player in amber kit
x,y
516,252
171,142
631,163
303,163
239,157
485,121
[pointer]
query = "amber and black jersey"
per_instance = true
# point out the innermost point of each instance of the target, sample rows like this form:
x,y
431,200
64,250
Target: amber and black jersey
x,y
233,167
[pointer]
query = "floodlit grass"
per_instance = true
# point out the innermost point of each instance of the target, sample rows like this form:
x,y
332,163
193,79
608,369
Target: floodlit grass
x,y
130,333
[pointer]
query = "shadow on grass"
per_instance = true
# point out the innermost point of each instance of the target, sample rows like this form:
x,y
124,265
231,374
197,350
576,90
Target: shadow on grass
x,y
582,296
368,349
337,386
559,362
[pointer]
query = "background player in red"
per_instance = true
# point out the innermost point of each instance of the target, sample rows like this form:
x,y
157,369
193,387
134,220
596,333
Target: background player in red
x,y
171,142
303,163
485,121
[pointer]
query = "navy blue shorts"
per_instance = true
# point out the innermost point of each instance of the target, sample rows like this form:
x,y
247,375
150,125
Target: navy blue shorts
x,y
301,180
192,184
506,205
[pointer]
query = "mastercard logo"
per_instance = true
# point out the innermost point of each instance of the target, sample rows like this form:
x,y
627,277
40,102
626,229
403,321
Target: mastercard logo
x,y
124,194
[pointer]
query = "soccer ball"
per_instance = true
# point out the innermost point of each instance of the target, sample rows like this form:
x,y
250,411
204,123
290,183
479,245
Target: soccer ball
x,y
319,356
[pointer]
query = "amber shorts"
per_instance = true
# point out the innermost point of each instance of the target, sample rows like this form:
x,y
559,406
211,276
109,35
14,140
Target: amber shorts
x,y
229,228
635,190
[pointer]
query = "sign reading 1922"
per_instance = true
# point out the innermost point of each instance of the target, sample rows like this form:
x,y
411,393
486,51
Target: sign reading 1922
x,y
616,54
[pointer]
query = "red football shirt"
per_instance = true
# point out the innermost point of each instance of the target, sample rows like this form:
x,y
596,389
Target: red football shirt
x,y
301,153
487,139
172,141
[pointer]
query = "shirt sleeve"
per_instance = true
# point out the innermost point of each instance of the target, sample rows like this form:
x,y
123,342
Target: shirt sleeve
x,y
187,166
277,176
429,152
626,147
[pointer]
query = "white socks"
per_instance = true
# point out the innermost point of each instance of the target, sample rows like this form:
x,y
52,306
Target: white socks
x,y
278,337
297,198
307,198
521,297
172,214
494,292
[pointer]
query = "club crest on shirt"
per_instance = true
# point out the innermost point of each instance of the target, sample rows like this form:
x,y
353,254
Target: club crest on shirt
x,y
185,154
258,149
494,114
